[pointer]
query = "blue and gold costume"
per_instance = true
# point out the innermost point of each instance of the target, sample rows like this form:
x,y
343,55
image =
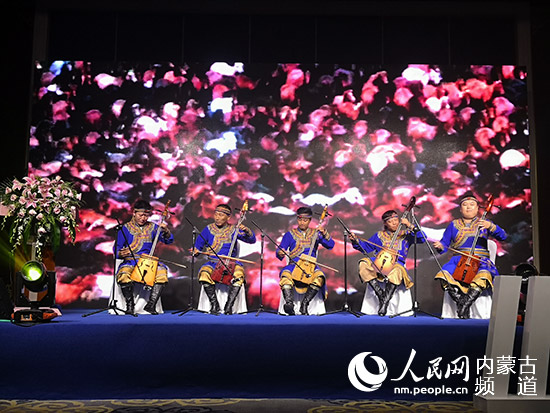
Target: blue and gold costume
x,y
298,242
220,241
460,235
140,239
403,242
303,241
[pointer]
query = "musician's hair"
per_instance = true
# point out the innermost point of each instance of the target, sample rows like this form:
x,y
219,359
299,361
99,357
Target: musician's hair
x,y
467,196
142,204
388,214
305,211
225,206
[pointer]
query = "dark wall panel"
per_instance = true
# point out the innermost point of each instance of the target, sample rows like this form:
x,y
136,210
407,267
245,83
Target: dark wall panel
x,y
123,35
283,39
82,35
416,39
483,40
150,36
216,37
349,39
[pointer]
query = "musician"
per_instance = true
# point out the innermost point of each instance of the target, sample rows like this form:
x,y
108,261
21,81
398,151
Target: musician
x,y
297,242
134,239
398,274
460,235
219,236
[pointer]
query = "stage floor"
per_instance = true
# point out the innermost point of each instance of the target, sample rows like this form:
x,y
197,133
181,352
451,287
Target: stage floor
x,y
199,355
233,406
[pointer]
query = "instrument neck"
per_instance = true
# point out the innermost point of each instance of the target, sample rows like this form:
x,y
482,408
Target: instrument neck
x,y
159,228
155,241
314,238
478,232
312,244
397,231
235,235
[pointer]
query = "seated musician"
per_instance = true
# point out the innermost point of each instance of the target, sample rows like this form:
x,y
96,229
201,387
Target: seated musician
x,y
297,242
219,236
134,239
398,274
460,235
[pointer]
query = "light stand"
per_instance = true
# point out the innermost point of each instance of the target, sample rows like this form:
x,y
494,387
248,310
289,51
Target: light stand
x,y
283,251
261,306
416,307
191,306
112,305
345,307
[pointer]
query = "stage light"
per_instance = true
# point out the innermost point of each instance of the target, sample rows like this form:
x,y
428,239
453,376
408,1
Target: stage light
x,y
526,270
35,294
34,274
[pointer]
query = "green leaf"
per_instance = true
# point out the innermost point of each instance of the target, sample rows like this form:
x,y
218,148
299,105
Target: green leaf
x,y
26,236
56,238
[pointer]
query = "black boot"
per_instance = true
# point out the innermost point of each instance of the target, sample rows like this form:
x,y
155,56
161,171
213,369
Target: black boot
x,y
150,307
457,296
308,296
288,296
469,299
128,294
388,294
377,289
231,296
210,290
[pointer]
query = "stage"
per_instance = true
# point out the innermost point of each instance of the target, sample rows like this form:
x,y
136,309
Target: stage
x,y
200,355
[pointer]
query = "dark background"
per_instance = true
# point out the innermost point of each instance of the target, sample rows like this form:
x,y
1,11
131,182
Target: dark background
x,y
442,32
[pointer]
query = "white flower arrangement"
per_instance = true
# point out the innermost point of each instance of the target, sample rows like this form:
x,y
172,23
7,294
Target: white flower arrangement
x,y
40,206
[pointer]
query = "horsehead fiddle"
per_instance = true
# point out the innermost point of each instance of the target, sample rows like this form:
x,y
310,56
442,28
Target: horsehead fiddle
x,y
223,272
305,267
387,256
145,270
468,265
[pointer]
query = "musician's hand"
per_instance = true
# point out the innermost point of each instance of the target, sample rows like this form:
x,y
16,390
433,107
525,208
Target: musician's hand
x,y
195,252
164,228
245,229
407,223
280,253
323,231
124,252
353,238
438,246
485,224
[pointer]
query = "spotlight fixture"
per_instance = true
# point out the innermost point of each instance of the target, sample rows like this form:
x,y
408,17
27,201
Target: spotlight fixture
x,y
34,294
525,271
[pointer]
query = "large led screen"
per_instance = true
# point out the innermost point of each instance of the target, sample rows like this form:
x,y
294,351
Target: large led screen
x,y
360,139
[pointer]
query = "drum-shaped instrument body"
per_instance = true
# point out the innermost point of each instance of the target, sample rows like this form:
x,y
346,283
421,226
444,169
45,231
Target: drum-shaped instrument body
x,y
385,261
303,271
223,273
146,270
466,270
